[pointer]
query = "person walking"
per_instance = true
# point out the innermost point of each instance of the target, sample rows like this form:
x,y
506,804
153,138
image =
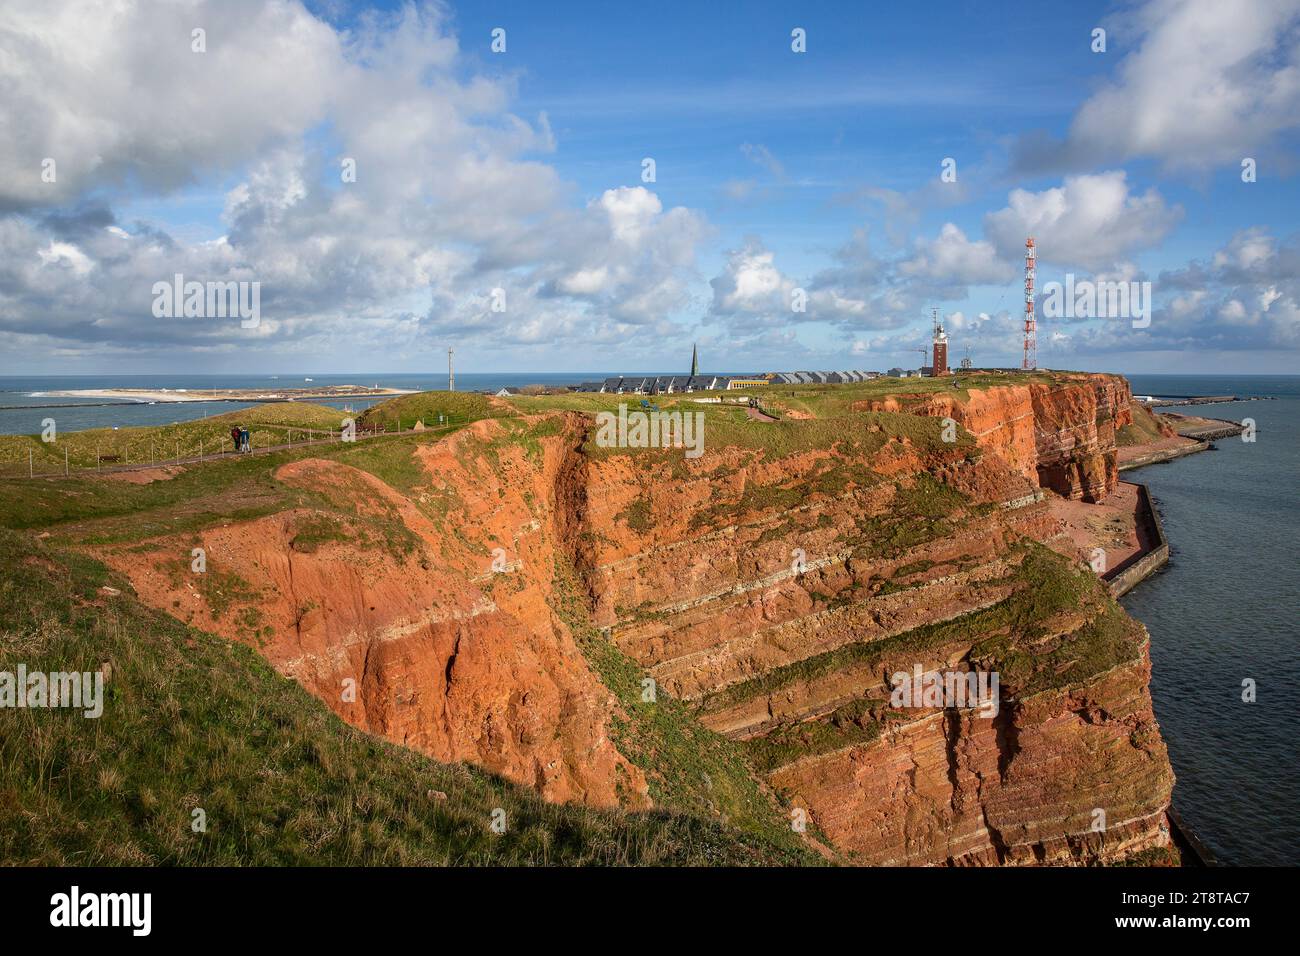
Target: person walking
x,y
234,439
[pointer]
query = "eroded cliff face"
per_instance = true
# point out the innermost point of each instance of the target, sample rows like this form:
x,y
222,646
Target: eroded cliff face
x,y
1062,436
773,585
398,620
1029,786
781,596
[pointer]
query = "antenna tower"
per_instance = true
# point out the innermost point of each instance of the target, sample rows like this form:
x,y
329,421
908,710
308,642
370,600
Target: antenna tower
x,y
1030,360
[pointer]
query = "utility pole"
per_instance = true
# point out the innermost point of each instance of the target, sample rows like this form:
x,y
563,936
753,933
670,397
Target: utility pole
x,y
451,375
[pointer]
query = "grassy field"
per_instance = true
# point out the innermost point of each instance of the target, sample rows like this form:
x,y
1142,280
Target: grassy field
x,y
432,408
726,423
818,401
89,509
195,723
810,416
270,424
833,401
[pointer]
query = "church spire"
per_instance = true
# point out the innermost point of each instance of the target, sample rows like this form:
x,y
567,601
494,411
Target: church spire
x,y
695,360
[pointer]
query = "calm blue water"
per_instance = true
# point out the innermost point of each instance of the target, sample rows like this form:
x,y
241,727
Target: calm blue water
x,y
27,421
1228,608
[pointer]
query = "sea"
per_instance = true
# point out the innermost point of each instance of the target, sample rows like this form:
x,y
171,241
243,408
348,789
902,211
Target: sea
x,y
1226,610
26,400
1223,615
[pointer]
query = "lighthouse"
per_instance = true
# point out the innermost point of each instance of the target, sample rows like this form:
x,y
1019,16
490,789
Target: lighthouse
x,y
939,366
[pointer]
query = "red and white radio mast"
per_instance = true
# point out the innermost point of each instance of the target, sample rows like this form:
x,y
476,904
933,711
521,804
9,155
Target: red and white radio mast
x,y
1030,360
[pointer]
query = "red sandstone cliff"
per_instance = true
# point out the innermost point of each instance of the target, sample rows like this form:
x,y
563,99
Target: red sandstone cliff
x,y
701,590
433,649
1062,436
773,591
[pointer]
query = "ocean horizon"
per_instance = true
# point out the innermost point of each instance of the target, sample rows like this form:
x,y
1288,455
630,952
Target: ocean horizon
x,y
23,396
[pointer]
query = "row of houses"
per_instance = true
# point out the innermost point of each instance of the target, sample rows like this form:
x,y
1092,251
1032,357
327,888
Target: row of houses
x,y
675,384
820,378
661,384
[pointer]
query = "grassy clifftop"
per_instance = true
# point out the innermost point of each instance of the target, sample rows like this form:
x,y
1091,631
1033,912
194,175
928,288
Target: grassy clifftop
x,y
270,424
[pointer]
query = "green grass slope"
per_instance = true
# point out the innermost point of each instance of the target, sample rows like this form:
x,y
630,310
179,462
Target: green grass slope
x,y
432,408
193,722
1144,429
270,424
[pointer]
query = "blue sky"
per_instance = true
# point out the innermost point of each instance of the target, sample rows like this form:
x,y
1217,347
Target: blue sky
x,y
776,172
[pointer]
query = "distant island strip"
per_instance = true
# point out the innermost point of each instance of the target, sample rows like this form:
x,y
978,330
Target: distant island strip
x,y
118,396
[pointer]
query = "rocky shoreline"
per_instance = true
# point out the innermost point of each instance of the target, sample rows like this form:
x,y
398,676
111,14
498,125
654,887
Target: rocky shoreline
x,y
1201,433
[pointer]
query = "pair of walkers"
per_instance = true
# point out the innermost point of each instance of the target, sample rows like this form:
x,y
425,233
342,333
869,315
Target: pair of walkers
x,y
242,438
